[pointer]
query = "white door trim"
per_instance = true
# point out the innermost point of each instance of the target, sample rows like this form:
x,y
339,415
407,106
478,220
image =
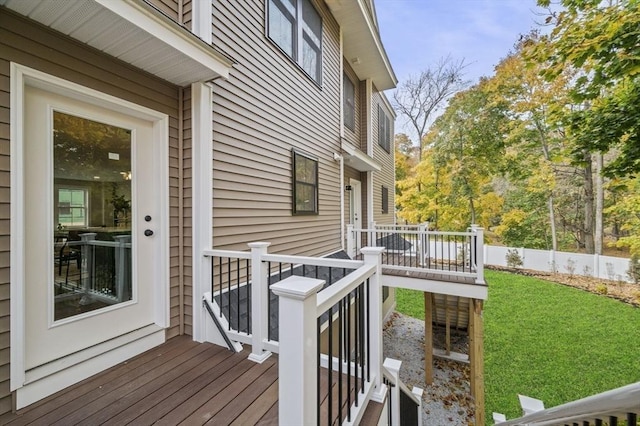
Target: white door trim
x,y
22,76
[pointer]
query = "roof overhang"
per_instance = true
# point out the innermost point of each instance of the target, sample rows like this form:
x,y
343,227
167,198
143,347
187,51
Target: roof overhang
x,y
133,32
361,43
360,161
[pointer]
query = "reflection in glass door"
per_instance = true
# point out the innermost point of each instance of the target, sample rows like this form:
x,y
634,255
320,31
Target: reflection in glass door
x,y
92,212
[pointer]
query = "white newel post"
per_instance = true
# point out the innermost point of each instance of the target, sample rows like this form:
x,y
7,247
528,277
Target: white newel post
x,y
422,242
351,241
372,235
86,267
121,265
298,358
393,367
478,251
259,302
373,256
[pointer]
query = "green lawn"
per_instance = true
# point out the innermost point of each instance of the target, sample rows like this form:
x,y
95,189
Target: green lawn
x,y
549,341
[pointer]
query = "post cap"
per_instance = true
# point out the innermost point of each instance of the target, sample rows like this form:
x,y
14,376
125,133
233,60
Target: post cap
x,y
298,288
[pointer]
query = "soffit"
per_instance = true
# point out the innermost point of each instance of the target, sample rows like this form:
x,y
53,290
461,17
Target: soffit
x,y
361,43
133,32
360,161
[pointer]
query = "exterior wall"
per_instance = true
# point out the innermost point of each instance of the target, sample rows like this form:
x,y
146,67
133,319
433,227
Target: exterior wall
x,y
267,107
386,176
178,10
31,45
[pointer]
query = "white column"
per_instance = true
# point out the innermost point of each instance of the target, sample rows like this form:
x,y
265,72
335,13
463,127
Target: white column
x,y
259,302
393,367
351,241
373,256
202,199
298,358
478,250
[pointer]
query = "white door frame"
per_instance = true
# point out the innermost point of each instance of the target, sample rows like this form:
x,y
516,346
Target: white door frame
x,y
22,76
356,193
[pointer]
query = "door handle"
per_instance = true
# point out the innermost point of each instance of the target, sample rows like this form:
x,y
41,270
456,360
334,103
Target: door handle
x,y
148,232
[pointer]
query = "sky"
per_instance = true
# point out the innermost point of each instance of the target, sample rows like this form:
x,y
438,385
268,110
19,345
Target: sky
x,y
417,33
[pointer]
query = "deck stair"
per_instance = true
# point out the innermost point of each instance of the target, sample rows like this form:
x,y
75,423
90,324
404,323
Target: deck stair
x,y
530,405
610,407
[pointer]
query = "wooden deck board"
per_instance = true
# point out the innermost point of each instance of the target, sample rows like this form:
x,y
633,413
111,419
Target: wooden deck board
x,y
67,400
180,380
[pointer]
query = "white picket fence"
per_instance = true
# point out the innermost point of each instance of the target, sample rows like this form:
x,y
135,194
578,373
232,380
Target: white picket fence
x,y
593,265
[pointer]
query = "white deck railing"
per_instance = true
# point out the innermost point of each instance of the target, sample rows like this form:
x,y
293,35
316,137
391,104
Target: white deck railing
x,y
398,411
605,408
308,311
415,247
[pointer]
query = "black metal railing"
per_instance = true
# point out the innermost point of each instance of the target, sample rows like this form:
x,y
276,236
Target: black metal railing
x,y
231,290
278,271
409,414
389,400
343,334
442,251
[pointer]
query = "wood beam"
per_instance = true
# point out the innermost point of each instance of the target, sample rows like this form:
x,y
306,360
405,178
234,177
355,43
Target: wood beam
x,y
476,357
428,339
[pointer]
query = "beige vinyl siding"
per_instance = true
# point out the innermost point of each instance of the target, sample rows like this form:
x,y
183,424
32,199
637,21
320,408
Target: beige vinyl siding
x,y
386,176
267,107
171,8
187,13
5,215
353,136
30,44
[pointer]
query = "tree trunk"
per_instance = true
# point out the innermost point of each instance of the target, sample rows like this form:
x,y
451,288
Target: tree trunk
x,y
589,244
552,222
473,211
599,204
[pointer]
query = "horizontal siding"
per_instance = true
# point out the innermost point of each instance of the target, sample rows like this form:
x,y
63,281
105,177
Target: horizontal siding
x,y
386,176
267,107
168,7
187,13
187,185
32,45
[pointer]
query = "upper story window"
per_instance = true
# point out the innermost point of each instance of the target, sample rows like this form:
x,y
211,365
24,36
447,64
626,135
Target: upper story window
x,y
296,27
305,184
385,200
349,102
384,130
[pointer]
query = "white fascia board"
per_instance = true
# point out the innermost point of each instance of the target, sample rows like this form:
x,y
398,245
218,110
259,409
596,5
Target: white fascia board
x,y
168,32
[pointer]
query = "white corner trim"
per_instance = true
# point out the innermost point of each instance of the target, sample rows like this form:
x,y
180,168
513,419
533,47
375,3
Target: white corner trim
x,y
202,19
202,197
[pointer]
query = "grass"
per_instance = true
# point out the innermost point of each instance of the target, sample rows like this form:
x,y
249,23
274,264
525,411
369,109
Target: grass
x,y
549,341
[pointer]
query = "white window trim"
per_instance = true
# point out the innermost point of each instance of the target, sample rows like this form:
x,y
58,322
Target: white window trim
x,y
22,76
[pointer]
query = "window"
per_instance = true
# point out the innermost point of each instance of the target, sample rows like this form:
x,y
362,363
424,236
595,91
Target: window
x,y
349,102
384,130
305,184
296,27
385,199
72,207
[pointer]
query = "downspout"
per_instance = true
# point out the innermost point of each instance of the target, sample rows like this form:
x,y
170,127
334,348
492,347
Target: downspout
x,y
181,209
338,157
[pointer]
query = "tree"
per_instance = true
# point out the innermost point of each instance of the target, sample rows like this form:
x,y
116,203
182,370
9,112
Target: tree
x,y
601,39
420,97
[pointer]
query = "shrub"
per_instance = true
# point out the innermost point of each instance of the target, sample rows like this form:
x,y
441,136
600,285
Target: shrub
x,y
513,258
634,268
601,288
570,267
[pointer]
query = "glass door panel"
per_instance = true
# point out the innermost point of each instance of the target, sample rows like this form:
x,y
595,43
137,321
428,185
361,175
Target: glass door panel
x,y
92,212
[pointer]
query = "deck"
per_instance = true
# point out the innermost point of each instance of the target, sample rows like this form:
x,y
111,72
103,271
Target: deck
x,y
181,382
